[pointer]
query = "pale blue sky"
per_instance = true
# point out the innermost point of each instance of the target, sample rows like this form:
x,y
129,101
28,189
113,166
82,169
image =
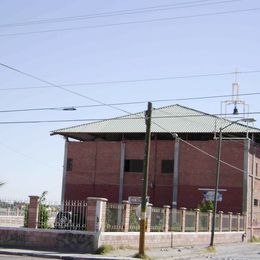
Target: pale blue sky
x,y
31,160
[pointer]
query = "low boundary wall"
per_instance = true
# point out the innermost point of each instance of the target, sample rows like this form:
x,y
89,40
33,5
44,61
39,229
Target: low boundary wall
x,y
167,239
49,240
87,242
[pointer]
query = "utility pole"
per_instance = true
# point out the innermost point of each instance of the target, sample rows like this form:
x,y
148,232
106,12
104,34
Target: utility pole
x,y
143,221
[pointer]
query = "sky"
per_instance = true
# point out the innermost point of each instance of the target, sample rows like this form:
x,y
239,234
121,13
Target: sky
x,y
112,52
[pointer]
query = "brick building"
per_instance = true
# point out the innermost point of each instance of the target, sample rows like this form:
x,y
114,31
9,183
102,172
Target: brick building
x,y
105,159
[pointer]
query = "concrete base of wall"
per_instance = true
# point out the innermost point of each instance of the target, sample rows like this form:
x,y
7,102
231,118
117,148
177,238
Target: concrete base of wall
x,y
87,242
49,240
168,239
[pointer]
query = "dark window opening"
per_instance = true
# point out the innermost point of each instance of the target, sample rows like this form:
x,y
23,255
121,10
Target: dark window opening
x,y
255,202
167,166
69,164
133,165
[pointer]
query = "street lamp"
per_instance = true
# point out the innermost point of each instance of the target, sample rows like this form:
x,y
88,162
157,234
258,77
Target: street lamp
x,y
248,120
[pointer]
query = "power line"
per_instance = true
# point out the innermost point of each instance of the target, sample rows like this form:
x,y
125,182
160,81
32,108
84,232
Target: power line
x,y
59,87
118,13
133,22
134,116
113,82
74,107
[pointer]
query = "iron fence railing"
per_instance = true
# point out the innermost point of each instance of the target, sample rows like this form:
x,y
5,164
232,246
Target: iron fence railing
x,y
114,217
134,218
234,223
190,221
225,222
69,215
203,222
157,216
175,220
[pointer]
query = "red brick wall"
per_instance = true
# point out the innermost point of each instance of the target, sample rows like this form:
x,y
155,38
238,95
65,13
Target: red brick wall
x,y
96,169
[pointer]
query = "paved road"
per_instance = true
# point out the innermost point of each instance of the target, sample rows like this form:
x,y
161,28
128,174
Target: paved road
x,y
11,257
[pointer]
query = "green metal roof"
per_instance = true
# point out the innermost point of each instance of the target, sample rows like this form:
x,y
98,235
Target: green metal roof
x,y
170,119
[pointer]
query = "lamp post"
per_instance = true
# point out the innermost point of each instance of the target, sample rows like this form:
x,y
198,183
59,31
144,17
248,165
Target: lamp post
x,y
217,174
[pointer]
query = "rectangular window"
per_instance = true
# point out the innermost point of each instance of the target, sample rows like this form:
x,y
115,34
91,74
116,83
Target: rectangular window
x,y
167,166
255,202
256,169
133,165
69,164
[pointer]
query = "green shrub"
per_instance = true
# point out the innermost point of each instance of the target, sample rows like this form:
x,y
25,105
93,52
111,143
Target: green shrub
x,y
43,215
204,206
104,249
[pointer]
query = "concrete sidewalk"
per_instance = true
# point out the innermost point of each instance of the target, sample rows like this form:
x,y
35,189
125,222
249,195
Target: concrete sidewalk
x,y
223,251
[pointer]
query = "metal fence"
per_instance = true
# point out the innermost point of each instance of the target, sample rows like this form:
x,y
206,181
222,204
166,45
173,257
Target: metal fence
x,y
175,220
135,211
190,221
225,222
12,213
203,222
114,217
157,216
69,215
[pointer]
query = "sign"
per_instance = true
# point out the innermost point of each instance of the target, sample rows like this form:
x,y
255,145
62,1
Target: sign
x,y
136,200
209,195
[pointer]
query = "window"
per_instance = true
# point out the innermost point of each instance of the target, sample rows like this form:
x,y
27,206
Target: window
x,y
133,165
256,169
255,202
167,166
69,164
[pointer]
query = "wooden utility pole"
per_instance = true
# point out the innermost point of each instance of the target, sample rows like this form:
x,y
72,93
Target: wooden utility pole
x,y
143,220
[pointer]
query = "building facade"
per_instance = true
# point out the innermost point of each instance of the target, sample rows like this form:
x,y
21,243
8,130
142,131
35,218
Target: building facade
x,y
105,159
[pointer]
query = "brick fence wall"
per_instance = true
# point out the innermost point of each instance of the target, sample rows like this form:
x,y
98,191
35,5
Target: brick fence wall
x,y
167,239
50,240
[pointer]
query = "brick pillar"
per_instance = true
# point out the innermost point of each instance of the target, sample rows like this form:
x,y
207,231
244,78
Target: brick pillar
x,y
166,216
197,219
96,214
183,218
209,220
220,221
148,217
126,215
238,221
230,221
33,211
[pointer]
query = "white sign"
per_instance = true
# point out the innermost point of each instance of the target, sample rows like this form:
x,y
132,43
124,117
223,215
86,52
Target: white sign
x,y
209,195
136,200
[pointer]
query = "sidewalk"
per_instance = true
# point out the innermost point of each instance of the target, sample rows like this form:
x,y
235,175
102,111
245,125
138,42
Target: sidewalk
x,y
223,251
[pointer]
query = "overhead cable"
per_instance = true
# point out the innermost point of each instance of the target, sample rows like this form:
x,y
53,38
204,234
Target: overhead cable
x,y
109,25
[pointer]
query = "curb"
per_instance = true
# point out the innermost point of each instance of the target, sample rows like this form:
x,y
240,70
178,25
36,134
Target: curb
x,y
60,256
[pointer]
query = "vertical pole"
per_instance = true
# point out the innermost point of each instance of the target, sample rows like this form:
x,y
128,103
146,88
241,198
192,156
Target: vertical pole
x,y
252,198
122,171
216,190
175,173
145,181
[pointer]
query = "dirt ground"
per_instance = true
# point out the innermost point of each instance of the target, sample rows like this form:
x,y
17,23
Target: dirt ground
x,y
235,251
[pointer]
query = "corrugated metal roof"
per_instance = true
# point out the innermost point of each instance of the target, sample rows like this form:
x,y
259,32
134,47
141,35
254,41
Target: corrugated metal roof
x,y
173,119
